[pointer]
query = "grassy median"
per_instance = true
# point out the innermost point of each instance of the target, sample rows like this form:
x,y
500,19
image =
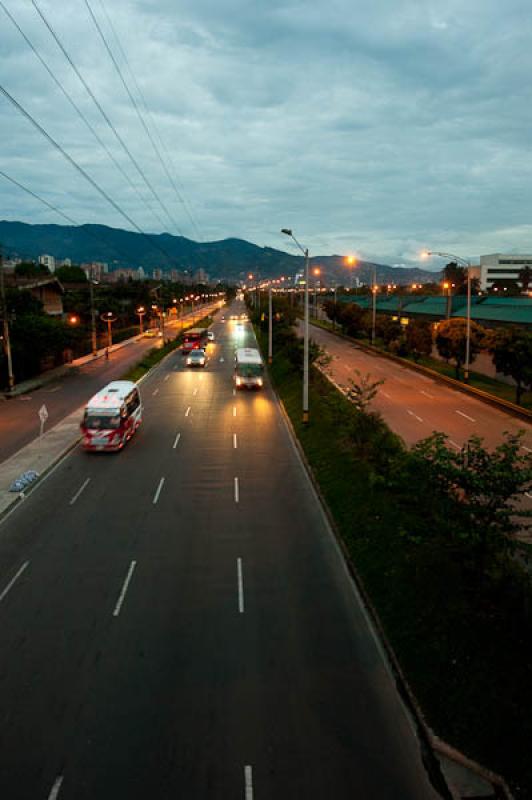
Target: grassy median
x,y
463,643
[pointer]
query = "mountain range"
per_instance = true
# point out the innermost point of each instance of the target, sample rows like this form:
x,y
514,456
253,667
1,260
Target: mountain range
x,y
229,259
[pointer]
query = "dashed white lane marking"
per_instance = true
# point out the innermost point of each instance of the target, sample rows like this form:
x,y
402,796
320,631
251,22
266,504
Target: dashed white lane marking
x,y
234,392
237,491
55,788
222,360
248,782
176,442
158,491
413,415
55,389
24,397
466,416
155,392
129,575
187,412
431,396
453,444
13,580
81,488
386,395
167,376
528,495
240,585
527,448
234,441
234,411
195,391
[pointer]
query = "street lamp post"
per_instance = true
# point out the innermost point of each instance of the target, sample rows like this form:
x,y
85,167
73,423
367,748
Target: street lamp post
x,y
141,311
7,340
374,311
467,266
109,319
304,250
94,335
270,325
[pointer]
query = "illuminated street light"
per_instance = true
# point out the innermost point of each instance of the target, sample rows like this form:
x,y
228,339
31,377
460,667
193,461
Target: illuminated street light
x,y
141,311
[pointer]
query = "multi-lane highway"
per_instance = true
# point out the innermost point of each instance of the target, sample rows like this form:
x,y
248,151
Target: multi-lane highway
x,y
415,405
19,420
176,620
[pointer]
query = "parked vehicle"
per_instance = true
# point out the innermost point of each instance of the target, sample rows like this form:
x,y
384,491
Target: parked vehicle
x,y
112,416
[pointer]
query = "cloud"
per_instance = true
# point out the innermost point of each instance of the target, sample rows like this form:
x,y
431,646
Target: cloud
x,y
383,129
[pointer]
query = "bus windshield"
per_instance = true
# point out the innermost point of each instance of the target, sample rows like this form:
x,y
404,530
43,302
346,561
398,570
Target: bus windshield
x,y
249,370
102,421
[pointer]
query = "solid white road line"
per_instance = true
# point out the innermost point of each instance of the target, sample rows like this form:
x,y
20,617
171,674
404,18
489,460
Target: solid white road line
x,y
466,416
453,444
129,575
234,441
83,486
13,580
427,394
413,415
155,392
237,491
240,585
176,442
248,782
234,411
55,788
158,491
187,412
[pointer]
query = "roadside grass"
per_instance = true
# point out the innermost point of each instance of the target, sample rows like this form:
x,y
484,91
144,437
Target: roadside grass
x,y
478,380
464,644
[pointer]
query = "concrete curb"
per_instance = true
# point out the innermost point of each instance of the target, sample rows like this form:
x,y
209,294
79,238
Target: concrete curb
x,y
489,399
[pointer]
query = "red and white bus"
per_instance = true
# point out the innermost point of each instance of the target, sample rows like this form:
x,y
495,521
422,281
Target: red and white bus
x,y
193,339
112,416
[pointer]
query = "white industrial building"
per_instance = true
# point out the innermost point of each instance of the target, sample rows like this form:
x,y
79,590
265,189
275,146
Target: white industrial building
x,y
48,261
498,266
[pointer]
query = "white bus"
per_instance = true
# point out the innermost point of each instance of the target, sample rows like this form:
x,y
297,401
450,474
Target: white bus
x,y
112,416
249,368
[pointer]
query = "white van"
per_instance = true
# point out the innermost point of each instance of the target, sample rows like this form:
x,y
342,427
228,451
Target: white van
x,y
112,416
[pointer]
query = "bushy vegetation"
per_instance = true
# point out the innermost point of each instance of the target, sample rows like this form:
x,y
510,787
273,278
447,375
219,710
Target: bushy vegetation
x,y
430,532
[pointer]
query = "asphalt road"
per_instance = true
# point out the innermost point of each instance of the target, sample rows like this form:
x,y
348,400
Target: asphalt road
x,y
176,620
19,420
413,404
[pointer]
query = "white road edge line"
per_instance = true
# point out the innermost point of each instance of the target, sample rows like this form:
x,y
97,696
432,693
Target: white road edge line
x,y
235,445
427,394
129,575
413,415
176,442
13,580
248,781
81,488
237,491
187,412
240,585
55,788
465,415
158,491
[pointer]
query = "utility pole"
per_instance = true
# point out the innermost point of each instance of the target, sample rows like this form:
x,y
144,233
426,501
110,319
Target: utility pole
x,y
7,342
94,337
374,314
270,325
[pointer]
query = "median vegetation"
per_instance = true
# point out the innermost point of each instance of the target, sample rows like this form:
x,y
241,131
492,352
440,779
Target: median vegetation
x,y
432,535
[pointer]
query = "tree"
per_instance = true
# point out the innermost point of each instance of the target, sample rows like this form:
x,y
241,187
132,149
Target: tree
x,y
451,342
27,269
71,275
350,317
504,287
418,336
453,273
485,486
362,390
390,329
525,277
512,355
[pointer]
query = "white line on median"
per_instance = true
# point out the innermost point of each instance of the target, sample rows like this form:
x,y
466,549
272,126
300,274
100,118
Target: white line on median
x,y
248,781
234,441
431,396
55,788
155,392
13,580
234,411
129,575
413,415
176,442
81,488
187,412
466,416
158,491
240,585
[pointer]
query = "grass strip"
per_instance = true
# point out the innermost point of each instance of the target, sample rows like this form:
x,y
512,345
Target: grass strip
x,y
464,645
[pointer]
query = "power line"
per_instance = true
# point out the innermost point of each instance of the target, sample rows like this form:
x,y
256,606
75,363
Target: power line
x,y
77,167
133,102
104,114
79,112
180,194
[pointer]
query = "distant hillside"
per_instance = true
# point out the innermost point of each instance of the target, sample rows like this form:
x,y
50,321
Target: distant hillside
x,y
230,259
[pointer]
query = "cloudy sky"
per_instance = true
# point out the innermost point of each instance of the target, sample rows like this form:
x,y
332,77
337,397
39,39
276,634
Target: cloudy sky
x,y
379,128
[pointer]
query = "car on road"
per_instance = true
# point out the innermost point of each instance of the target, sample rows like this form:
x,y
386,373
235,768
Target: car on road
x,y
152,332
196,358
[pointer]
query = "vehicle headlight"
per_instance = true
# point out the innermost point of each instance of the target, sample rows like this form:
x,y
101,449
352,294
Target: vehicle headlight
x,y
259,381
238,381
